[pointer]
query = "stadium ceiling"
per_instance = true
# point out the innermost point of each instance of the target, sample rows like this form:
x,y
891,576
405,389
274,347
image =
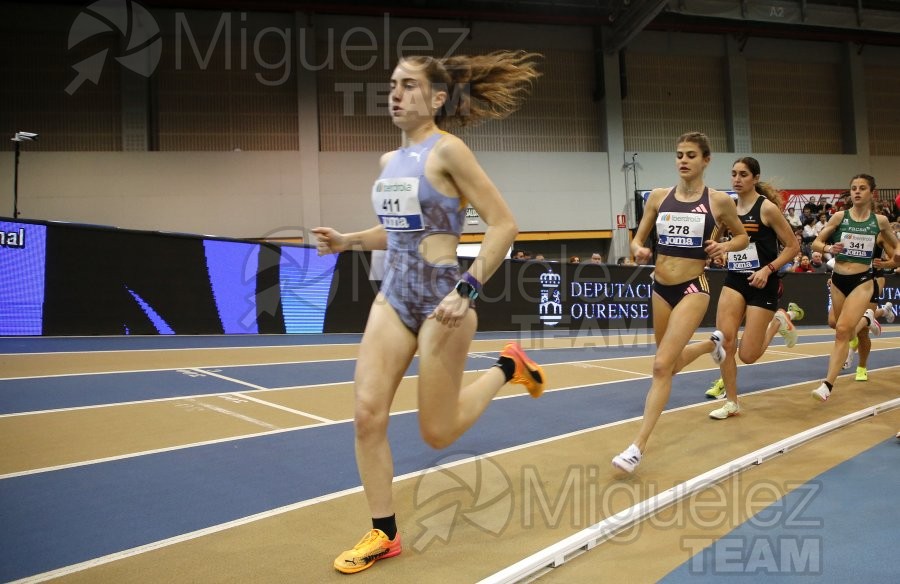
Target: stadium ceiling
x,y
860,21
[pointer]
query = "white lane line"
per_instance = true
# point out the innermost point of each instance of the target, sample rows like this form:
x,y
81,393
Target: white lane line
x,y
344,421
93,563
283,408
331,496
256,435
176,369
23,473
596,365
173,349
777,352
795,356
557,554
257,400
226,378
514,336
639,375
233,414
476,355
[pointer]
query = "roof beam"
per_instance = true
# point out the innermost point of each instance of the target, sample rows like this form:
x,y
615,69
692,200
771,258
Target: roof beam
x,y
631,22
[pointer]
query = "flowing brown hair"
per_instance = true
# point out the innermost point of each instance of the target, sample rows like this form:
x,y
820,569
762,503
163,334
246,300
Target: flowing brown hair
x,y
479,87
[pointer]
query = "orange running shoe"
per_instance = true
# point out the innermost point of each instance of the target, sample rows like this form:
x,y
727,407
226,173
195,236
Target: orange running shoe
x,y
374,546
528,373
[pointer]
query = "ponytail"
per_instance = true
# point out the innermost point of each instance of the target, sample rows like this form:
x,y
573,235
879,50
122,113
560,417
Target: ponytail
x,y
479,87
768,191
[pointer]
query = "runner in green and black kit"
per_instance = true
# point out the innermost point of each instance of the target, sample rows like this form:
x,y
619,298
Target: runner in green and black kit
x,y
853,285
868,325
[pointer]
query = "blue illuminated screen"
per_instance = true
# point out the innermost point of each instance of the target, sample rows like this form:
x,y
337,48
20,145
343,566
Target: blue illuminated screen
x,y
23,249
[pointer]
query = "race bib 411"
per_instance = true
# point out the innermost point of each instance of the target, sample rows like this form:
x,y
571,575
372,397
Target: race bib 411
x,y
396,202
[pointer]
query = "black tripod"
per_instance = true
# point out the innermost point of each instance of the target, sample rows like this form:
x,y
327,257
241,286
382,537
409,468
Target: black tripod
x,y
18,139
16,184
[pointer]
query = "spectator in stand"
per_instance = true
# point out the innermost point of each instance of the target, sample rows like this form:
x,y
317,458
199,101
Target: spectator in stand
x,y
887,209
809,230
807,213
820,222
818,263
596,258
843,202
574,259
539,257
804,265
808,236
792,218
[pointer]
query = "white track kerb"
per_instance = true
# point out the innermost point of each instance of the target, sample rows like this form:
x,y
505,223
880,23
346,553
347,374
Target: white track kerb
x,y
574,545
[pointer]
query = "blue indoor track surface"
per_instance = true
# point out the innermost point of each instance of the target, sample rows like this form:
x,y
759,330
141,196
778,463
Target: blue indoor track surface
x,y
53,518
843,523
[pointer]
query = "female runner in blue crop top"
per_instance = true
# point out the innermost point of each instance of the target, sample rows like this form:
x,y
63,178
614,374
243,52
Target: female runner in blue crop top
x,y
425,305
685,218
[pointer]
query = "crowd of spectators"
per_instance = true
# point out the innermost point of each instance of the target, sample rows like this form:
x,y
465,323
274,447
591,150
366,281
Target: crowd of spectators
x,y
806,225
810,221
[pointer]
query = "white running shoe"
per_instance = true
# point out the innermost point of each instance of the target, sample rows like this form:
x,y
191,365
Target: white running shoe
x,y
784,321
729,409
718,352
849,360
874,325
889,315
786,328
628,460
821,393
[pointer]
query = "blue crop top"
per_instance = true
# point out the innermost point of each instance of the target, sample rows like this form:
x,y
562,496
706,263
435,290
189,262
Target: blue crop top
x,y
408,205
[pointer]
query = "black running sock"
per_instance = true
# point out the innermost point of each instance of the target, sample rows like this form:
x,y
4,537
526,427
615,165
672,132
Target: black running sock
x,y
386,524
507,366
828,385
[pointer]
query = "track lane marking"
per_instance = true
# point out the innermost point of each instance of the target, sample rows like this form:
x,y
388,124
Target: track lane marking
x,y
71,569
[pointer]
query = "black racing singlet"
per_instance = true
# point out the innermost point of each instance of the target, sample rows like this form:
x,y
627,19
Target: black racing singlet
x,y
682,228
